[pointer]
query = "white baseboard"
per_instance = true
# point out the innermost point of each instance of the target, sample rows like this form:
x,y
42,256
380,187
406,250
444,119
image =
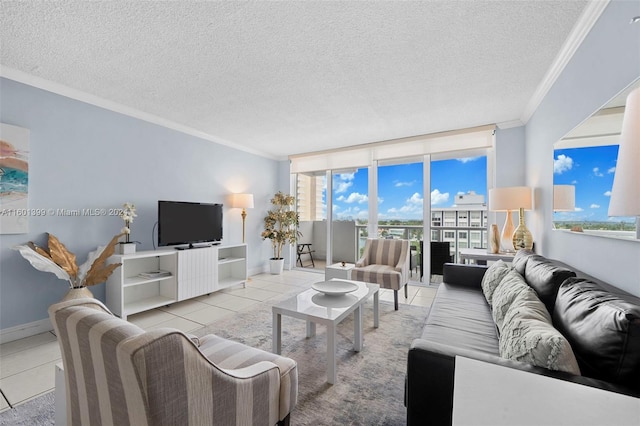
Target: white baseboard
x,y
25,330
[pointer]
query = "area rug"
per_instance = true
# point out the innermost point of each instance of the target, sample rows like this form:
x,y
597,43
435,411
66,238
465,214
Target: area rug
x,y
370,385
37,412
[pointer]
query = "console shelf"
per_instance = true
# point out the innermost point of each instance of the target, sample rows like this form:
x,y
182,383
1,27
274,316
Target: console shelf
x,y
133,281
193,273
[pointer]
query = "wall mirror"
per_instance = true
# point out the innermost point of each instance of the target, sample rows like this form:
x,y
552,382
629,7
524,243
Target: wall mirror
x,y
584,166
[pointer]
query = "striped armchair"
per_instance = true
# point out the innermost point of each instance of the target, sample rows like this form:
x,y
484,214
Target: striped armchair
x,y
384,262
116,373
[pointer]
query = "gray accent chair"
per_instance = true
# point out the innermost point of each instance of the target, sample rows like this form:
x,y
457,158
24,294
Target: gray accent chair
x,y
384,262
116,373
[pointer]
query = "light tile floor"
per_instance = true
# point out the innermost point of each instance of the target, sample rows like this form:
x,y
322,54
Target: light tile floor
x,y
27,365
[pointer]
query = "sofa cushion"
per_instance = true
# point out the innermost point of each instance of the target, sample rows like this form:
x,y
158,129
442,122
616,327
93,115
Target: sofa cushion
x,y
528,336
461,317
511,286
545,276
492,278
385,275
519,261
603,328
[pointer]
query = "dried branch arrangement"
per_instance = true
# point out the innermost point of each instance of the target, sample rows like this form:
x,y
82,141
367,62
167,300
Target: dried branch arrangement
x,y
58,260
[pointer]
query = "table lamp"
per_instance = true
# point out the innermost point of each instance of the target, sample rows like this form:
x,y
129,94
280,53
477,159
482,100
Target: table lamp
x,y
243,201
508,199
625,197
564,199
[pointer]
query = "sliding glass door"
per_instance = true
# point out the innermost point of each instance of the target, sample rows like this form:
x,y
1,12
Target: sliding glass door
x,y
349,213
387,200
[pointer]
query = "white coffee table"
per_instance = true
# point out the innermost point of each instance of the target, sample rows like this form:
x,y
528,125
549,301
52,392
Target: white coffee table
x,y
317,308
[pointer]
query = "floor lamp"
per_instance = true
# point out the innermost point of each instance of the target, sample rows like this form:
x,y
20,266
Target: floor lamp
x,y
625,198
507,200
242,201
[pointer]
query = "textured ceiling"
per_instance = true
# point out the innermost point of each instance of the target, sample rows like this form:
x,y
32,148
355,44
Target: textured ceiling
x,y
281,78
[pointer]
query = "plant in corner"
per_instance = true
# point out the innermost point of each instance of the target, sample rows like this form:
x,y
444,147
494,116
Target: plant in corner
x,y
58,260
281,227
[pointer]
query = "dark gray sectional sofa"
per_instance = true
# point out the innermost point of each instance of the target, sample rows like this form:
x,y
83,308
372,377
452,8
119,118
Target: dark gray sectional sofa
x,y
601,323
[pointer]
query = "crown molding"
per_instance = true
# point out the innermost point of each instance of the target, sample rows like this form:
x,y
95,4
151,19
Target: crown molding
x,y
510,124
79,95
587,20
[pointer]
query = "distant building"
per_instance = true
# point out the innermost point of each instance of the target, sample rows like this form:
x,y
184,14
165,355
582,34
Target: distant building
x,y
310,190
470,198
464,225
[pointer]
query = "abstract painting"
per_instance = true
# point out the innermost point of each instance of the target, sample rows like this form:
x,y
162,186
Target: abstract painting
x,y
14,179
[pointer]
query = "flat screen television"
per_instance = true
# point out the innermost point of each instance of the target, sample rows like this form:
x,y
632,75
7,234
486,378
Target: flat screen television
x,y
187,223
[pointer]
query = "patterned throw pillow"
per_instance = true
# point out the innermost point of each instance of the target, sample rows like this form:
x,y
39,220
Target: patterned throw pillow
x,y
511,286
528,336
492,278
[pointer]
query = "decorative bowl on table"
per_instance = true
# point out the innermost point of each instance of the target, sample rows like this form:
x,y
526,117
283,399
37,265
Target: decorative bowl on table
x,y
334,288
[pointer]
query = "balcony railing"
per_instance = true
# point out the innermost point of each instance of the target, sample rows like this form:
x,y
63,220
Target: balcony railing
x,y
414,233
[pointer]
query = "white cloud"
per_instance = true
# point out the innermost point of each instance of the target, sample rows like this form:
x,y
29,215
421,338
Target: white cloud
x,y
579,209
342,182
574,182
415,199
607,194
342,187
350,213
468,159
354,197
595,206
597,172
346,176
562,164
398,184
438,197
611,170
412,207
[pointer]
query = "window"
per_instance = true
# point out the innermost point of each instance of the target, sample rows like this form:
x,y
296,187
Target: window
x,y
400,201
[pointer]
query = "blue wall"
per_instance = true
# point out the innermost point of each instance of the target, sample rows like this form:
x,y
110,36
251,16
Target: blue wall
x,y
84,157
606,62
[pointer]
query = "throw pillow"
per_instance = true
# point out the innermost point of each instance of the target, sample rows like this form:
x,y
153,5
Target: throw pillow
x,y
528,338
527,305
492,278
604,329
519,261
545,276
511,286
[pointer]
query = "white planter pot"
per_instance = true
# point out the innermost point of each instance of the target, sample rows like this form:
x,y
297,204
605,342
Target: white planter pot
x,y
276,266
127,248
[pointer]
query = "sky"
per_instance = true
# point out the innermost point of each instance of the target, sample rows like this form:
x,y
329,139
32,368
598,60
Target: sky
x,y
400,188
591,170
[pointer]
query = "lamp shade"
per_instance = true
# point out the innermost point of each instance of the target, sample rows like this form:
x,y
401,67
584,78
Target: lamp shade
x,y
625,197
510,198
242,201
564,198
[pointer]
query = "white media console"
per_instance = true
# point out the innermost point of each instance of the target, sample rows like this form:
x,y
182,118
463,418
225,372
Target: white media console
x,y
193,273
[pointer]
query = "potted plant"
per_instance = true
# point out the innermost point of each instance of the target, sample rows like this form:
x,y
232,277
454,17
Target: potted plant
x,y
127,213
58,260
281,227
